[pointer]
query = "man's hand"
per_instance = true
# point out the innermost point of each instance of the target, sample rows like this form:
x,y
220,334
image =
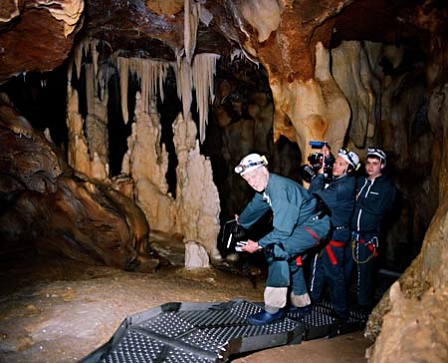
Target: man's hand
x,y
326,153
251,246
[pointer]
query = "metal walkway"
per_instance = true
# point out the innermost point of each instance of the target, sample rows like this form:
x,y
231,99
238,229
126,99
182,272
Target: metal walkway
x,y
203,333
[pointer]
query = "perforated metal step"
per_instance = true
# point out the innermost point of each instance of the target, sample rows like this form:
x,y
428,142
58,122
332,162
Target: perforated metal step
x,y
190,332
320,323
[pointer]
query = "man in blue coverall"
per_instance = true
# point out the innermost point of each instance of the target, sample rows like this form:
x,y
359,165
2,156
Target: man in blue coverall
x,y
297,226
338,196
375,194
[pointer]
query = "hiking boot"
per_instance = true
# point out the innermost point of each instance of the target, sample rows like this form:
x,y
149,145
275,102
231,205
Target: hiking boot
x,y
264,317
301,310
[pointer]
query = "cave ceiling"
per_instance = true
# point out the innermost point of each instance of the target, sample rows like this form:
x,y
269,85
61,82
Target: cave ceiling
x,y
37,36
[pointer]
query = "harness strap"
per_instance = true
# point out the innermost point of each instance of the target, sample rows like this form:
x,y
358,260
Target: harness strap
x,y
314,235
330,253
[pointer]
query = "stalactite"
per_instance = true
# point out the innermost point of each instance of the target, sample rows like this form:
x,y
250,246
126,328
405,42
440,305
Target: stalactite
x,y
184,82
88,139
187,31
162,74
78,52
151,74
90,87
145,82
191,15
123,71
204,68
94,52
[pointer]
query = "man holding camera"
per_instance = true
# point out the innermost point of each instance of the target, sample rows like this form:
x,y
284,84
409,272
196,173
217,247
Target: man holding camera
x,y
298,225
375,194
338,196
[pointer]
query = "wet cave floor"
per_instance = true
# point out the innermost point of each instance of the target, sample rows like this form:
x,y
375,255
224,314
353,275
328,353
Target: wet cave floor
x,y
57,310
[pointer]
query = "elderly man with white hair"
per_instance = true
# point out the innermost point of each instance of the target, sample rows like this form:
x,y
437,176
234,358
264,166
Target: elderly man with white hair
x,y
298,225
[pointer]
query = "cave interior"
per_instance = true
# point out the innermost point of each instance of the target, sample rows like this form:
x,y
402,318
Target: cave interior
x,y
124,119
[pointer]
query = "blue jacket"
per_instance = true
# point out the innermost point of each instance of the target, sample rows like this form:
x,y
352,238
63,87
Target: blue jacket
x,y
292,205
339,197
374,199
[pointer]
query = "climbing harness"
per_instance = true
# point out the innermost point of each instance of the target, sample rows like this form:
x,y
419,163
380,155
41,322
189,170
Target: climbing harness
x,y
372,246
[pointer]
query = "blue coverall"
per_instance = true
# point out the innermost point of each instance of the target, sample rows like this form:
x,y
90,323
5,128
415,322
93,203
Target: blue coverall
x,y
297,227
374,199
328,264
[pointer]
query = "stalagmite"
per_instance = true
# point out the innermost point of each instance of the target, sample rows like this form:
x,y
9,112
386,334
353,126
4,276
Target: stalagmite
x,y
195,256
77,150
146,162
194,213
99,171
197,202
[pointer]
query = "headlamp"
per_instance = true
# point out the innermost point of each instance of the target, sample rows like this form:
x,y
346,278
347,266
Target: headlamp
x,y
250,162
241,168
373,151
352,158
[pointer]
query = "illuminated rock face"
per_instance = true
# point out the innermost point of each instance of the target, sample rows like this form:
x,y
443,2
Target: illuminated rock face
x,y
333,75
54,209
317,108
194,212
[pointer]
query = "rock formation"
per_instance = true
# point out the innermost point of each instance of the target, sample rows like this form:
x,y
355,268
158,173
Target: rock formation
x,y
249,75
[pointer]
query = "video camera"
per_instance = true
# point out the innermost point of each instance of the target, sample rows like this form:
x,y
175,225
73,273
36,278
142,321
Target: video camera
x,y
309,171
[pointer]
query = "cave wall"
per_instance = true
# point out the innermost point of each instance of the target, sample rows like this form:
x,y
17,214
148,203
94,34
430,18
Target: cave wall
x,y
50,208
413,310
379,105
316,56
